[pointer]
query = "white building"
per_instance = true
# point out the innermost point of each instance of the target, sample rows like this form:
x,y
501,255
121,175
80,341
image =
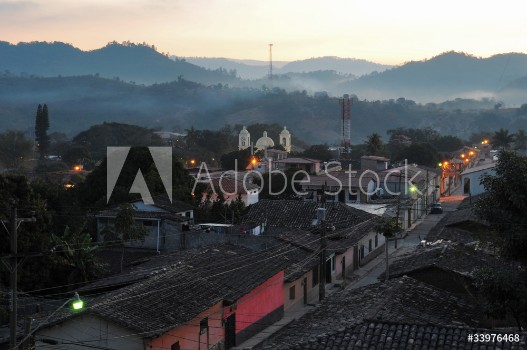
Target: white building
x,y
471,178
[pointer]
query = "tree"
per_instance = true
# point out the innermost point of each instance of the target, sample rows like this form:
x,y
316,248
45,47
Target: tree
x,y
503,204
388,227
419,153
41,130
126,229
374,145
76,254
505,293
520,140
502,139
320,152
14,148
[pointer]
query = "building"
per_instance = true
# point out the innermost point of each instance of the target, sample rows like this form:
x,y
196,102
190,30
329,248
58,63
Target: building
x,y
164,222
244,139
311,166
177,301
265,142
471,178
232,189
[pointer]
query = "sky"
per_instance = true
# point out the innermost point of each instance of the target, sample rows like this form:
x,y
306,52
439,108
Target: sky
x,y
383,31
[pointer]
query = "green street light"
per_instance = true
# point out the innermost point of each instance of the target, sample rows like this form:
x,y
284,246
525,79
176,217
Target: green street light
x,y
413,189
77,304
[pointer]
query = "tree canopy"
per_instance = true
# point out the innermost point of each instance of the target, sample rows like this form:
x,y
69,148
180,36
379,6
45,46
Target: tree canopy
x,y
504,203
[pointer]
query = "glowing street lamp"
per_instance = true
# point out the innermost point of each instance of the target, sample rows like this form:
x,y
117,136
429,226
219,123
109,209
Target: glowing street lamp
x,y
462,155
77,304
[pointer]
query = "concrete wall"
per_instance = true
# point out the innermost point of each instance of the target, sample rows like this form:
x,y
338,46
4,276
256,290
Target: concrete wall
x,y
475,186
312,291
89,329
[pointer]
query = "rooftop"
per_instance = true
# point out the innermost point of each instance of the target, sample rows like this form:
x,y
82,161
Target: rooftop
x,y
402,300
374,334
297,214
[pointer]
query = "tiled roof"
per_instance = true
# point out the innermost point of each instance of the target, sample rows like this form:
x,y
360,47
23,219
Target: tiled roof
x,y
404,300
168,210
373,334
172,289
462,260
300,214
452,227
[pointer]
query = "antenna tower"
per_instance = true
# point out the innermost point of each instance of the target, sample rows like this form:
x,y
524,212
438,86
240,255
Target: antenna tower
x,y
270,61
345,101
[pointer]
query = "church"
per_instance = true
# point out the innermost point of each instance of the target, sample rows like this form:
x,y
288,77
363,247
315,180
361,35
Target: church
x,y
264,142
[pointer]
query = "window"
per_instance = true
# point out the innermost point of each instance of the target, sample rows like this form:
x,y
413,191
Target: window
x,y
175,346
204,325
376,240
333,263
292,293
352,195
315,276
369,246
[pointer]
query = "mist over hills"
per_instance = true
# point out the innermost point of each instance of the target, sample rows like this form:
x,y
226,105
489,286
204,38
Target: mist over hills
x,y
86,88
260,69
444,77
76,103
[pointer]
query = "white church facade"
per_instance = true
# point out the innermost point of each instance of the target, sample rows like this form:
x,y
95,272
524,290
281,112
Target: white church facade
x,y
264,142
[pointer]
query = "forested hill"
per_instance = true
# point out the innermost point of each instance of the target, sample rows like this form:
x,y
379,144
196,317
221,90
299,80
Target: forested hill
x,y
76,103
138,63
446,76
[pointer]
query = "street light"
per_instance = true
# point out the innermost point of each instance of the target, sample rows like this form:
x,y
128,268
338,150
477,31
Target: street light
x,y
77,304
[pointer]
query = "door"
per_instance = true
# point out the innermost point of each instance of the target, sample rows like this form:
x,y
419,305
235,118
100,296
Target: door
x,y
344,268
305,290
230,332
355,258
328,271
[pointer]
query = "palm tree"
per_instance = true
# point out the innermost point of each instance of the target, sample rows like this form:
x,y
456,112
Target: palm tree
x,y
502,139
520,140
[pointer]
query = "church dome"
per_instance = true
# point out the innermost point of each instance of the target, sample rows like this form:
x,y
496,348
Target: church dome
x,y
264,142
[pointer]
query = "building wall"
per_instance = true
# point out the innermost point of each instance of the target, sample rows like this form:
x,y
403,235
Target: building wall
x,y
348,259
92,330
370,254
475,178
312,291
188,335
259,308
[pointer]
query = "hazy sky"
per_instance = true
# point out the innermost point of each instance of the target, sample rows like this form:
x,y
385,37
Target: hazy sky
x,y
385,31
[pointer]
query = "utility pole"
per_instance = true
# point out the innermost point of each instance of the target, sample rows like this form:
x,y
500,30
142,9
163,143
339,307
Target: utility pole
x,y
12,266
426,194
321,216
397,215
13,223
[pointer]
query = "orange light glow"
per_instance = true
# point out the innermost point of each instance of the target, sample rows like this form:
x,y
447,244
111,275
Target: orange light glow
x,y
77,167
192,162
445,163
466,160
462,156
471,153
253,161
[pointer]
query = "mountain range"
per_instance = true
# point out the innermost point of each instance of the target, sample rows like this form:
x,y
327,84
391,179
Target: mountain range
x,y
446,76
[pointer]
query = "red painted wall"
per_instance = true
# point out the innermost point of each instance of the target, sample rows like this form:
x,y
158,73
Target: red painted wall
x,y
258,303
188,334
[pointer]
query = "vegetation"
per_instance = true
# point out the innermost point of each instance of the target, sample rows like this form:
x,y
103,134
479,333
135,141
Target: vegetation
x,y
503,204
15,149
41,130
